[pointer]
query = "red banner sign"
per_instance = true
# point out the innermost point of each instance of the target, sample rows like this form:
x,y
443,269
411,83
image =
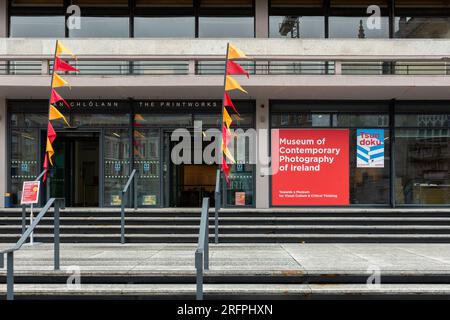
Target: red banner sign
x,y
313,167
30,192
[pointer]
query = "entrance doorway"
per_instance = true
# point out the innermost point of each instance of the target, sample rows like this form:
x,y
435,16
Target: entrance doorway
x,y
185,185
75,173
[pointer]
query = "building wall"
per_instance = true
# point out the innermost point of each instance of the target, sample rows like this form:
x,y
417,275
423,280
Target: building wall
x,y
3,19
261,178
3,150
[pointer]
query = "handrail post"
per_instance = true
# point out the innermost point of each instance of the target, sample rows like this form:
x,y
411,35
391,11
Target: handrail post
x,y
217,205
135,191
24,218
122,219
199,267
56,264
10,276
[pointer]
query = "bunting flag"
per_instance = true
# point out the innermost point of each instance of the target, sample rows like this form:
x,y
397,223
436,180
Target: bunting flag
x,y
54,114
234,68
55,97
231,68
228,103
61,49
58,81
61,65
235,53
232,84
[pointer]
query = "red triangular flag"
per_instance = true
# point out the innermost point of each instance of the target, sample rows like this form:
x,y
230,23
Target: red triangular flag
x,y
234,68
51,134
228,103
55,97
45,167
225,169
61,65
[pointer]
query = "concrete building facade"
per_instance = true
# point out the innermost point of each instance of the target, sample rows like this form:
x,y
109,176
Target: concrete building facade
x,y
318,69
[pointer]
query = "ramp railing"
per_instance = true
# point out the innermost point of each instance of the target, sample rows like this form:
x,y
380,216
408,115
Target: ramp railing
x,y
57,203
217,205
202,252
132,178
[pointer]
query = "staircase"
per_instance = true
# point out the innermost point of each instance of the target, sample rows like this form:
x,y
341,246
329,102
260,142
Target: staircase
x,y
343,225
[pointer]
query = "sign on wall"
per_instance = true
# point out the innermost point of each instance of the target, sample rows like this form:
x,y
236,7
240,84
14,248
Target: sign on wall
x,y
313,167
370,148
30,192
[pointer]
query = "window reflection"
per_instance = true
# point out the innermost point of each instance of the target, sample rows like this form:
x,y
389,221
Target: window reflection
x,y
357,27
422,27
37,26
102,27
160,27
296,27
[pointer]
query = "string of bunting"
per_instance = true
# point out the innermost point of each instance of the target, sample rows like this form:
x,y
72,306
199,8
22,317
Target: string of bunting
x,y
59,65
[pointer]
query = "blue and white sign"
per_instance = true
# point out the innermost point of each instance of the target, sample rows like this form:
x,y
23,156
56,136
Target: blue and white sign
x,y
370,148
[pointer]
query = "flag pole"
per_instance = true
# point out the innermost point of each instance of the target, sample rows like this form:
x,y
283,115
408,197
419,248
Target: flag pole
x,y
223,106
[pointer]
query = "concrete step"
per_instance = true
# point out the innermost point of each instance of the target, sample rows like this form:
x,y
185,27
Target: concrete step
x,y
241,238
223,291
236,229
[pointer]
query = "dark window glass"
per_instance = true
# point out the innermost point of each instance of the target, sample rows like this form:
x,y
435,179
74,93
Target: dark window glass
x,y
301,120
423,120
35,3
37,27
422,165
360,120
297,26
169,27
100,120
102,27
224,27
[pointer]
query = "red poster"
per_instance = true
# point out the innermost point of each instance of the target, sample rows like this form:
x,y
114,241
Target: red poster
x,y
313,167
30,192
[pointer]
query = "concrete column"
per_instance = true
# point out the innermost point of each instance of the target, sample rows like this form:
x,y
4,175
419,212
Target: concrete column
x,y
262,18
261,179
3,151
3,19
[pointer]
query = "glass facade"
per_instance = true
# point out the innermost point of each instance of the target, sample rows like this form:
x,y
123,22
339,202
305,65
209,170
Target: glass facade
x,y
421,146
93,159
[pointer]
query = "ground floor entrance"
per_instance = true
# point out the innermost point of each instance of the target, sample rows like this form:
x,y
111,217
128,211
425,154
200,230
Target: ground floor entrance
x,y
76,171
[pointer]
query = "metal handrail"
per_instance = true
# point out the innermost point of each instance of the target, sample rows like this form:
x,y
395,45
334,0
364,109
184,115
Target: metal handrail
x,y
217,205
202,252
58,203
132,178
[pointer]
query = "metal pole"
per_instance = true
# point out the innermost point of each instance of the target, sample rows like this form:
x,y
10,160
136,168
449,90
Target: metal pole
x,y
31,222
199,267
24,218
122,219
56,236
135,190
10,276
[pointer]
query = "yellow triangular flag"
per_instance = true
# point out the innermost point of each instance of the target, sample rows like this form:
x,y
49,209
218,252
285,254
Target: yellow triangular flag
x,y
58,81
235,53
228,154
54,114
62,49
232,84
50,151
226,118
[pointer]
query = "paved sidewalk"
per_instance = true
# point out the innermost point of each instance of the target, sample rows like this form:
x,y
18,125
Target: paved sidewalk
x,y
131,258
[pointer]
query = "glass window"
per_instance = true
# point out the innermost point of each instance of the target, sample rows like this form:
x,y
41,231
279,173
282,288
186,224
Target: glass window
x,y
116,164
297,27
224,27
102,27
422,166
360,120
350,19
164,27
147,162
301,120
29,119
422,120
28,3
422,27
100,120
100,3
142,119
24,155
37,26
